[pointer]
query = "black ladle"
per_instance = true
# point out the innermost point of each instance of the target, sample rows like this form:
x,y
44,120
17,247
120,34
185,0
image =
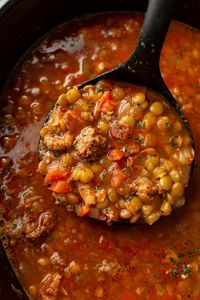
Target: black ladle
x,y
142,68
143,65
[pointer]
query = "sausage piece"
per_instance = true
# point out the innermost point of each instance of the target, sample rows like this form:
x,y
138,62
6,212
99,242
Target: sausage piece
x,y
90,144
119,130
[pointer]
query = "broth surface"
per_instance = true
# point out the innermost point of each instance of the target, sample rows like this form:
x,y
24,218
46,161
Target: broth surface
x,y
56,254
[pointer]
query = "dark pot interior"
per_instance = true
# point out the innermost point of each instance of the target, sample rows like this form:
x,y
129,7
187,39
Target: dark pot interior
x,y
21,24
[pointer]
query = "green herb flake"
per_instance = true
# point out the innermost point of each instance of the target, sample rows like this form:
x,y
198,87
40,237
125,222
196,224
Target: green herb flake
x,y
138,140
98,90
107,211
142,44
124,170
90,103
186,271
103,175
56,153
189,254
197,283
14,226
96,188
198,248
122,199
141,124
174,272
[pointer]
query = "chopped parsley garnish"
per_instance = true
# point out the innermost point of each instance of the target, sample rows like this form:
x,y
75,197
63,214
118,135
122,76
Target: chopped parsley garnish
x,y
107,210
122,199
138,140
186,271
96,188
97,90
141,124
14,226
174,272
56,153
198,248
124,170
90,103
103,175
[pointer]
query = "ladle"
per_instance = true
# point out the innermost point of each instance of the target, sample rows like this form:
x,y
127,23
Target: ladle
x,y
143,65
142,68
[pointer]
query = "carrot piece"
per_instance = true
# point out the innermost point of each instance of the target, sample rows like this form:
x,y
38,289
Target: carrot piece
x,y
60,187
56,175
84,210
126,295
118,178
105,104
115,154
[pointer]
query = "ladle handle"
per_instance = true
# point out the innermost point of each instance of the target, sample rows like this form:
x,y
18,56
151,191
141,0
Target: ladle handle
x,y
147,52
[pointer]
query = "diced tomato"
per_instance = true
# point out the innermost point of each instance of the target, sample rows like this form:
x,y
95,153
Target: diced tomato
x,y
117,166
63,109
55,176
60,187
105,104
118,178
126,295
115,154
84,210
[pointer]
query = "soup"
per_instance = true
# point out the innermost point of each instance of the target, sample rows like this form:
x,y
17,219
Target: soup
x,y
56,254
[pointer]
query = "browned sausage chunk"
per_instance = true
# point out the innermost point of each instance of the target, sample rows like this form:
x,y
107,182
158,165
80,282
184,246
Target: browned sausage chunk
x,y
90,144
119,130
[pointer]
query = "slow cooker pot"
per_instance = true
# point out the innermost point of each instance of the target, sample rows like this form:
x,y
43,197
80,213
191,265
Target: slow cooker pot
x,y
22,22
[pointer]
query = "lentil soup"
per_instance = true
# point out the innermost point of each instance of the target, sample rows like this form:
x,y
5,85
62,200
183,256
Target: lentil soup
x,y
116,151
56,254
